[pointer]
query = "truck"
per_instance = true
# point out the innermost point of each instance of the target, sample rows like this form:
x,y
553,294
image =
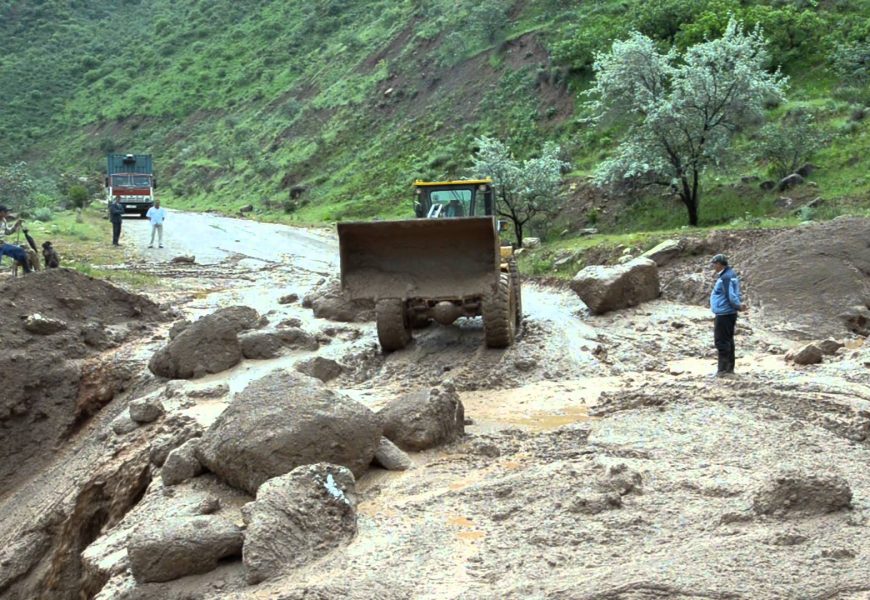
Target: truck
x,y
130,177
446,263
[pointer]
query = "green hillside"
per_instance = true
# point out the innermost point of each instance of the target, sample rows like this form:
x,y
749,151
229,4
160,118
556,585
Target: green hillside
x,y
240,102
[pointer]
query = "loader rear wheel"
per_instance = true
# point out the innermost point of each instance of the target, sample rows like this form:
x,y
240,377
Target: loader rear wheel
x,y
516,285
394,328
500,315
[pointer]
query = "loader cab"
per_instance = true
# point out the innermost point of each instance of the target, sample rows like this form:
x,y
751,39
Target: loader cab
x,y
452,199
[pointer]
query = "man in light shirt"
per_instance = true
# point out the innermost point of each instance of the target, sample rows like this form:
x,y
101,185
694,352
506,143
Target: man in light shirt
x,y
156,215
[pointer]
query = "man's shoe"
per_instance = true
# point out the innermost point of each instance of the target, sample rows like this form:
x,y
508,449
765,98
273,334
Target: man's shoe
x,y
725,374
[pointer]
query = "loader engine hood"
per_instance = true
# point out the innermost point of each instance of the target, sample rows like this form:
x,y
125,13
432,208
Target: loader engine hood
x,y
419,258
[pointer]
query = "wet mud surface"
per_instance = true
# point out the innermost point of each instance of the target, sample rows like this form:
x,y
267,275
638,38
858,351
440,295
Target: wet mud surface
x,y
600,461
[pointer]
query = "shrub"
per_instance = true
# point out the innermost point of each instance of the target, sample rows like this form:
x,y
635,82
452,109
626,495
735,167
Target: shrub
x,y
43,213
789,143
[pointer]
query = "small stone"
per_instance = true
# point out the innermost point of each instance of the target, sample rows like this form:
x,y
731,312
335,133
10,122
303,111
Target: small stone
x,y
810,354
324,369
123,424
41,325
391,457
829,346
146,410
288,299
188,259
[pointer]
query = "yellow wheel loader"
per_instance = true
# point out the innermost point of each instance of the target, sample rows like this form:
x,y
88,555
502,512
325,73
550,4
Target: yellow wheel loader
x,y
445,264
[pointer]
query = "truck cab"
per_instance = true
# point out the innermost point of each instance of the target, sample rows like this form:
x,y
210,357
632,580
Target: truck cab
x,y
130,177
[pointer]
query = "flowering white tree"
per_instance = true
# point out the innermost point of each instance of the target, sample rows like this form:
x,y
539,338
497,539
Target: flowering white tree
x,y
522,189
683,111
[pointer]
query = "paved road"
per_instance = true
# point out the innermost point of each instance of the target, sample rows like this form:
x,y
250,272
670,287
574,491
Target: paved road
x,y
213,239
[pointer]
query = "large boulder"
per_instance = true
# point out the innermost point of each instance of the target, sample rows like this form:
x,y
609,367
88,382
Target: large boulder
x,y
209,345
604,288
181,546
665,252
797,493
297,518
285,420
424,418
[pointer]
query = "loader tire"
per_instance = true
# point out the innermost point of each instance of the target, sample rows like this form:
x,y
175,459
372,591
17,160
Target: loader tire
x,y
516,285
394,329
500,315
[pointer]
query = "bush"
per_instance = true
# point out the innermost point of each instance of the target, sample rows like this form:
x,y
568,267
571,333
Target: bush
x,y
789,143
77,196
43,214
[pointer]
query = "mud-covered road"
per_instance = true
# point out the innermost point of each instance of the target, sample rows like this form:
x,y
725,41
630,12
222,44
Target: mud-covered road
x,y
600,460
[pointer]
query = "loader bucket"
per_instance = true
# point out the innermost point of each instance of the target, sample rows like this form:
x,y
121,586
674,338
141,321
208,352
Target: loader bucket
x,y
419,258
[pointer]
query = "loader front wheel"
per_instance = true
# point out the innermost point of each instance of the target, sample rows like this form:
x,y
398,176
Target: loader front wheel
x,y
499,314
516,284
394,328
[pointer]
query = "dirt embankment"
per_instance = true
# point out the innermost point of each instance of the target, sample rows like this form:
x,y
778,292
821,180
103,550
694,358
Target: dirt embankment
x,y
54,326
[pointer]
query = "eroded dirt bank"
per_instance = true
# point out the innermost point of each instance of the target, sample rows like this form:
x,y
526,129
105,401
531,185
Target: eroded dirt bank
x,y
600,459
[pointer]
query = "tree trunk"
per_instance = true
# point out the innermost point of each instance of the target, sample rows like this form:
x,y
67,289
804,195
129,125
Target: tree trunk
x,y
689,196
518,230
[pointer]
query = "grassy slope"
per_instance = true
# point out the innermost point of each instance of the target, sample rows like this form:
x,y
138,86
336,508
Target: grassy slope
x,y
353,100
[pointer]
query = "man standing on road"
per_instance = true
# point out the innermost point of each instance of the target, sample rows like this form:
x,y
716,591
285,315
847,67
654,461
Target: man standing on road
x,y
116,213
14,252
156,215
725,302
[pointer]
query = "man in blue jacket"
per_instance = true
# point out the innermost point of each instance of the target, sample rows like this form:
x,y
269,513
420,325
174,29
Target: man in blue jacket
x,y
725,302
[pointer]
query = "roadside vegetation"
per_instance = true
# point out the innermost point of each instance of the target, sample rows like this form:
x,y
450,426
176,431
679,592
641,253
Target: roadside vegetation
x,y
322,111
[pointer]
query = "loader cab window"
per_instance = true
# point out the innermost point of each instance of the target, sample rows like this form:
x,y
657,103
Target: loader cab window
x,y
451,203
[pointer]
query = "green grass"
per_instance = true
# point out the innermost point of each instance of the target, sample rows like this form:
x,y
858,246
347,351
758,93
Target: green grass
x,y
240,101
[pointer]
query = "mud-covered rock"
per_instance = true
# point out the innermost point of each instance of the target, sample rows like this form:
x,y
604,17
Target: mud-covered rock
x,y
260,344
297,518
688,288
41,325
809,354
802,494
324,369
424,418
665,252
288,298
181,546
123,424
606,288
181,464
391,457
297,339
328,302
173,432
209,345
829,346
285,420
146,410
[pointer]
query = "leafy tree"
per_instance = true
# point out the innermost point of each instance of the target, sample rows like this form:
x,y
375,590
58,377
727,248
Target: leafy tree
x,y
16,187
78,196
524,189
683,110
789,143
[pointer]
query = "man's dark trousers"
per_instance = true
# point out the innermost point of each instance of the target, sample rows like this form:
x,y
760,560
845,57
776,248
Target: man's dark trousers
x,y
116,231
723,337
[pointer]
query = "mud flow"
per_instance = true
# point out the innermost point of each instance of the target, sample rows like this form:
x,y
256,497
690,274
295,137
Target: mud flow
x,y
600,457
